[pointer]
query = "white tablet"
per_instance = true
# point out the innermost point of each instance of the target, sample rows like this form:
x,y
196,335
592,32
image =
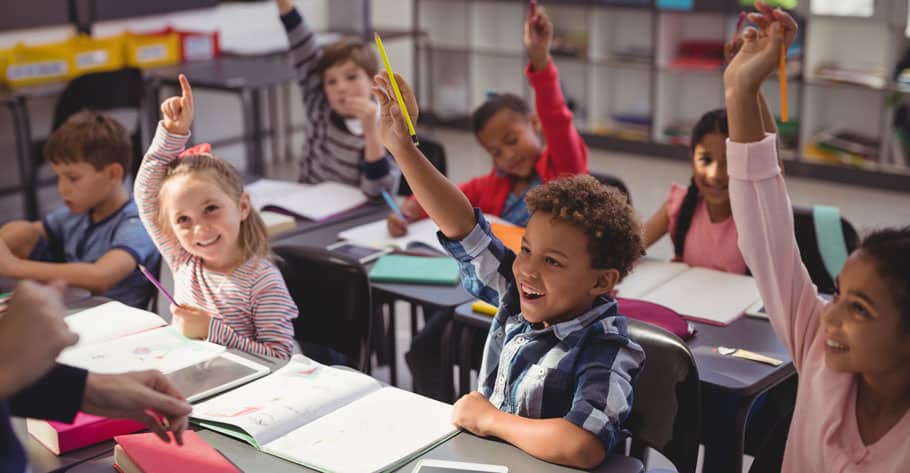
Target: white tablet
x,y
446,466
363,254
215,375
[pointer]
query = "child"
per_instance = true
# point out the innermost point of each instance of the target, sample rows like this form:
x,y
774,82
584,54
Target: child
x,y
851,353
341,143
215,243
509,131
558,366
96,240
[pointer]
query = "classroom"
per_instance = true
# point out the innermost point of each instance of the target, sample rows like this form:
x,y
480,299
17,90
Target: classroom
x,y
455,236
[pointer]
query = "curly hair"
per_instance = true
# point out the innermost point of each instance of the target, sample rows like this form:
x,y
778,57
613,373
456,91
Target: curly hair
x,y
602,212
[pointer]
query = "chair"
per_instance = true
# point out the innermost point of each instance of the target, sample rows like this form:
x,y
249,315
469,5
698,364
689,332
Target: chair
x,y
101,91
332,293
804,228
435,153
666,411
611,180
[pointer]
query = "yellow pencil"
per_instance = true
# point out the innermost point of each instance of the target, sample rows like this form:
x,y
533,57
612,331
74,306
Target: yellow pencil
x,y
388,69
782,73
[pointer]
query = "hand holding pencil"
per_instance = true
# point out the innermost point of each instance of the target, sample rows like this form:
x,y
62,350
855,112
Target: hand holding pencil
x,y
393,121
759,54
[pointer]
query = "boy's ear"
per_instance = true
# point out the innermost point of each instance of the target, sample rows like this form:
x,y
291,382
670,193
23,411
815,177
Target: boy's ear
x,y
245,206
605,282
114,171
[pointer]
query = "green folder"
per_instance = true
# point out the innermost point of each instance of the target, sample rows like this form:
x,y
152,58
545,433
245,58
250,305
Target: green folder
x,y
415,270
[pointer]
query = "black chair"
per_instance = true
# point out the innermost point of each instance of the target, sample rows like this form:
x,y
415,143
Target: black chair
x,y
435,153
332,293
611,180
804,228
100,91
666,412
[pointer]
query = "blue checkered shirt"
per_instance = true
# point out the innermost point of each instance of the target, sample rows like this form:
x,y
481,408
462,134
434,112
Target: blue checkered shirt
x,y
581,370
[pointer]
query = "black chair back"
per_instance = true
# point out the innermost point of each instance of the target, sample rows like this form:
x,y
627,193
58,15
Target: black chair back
x,y
666,412
435,153
611,180
806,239
332,293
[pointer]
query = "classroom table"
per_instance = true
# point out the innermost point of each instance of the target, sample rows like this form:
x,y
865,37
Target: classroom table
x,y
246,76
72,296
741,381
429,297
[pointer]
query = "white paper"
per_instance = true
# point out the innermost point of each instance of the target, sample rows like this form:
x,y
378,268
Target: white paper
x,y
109,321
377,234
163,349
299,392
647,275
707,294
859,8
314,202
382,428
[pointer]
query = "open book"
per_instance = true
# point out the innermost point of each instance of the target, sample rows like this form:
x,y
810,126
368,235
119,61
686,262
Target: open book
x,y
700,294
328,419
376,234
313,202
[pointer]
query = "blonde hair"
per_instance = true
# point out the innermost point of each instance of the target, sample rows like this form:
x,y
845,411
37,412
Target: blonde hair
x,y
253,237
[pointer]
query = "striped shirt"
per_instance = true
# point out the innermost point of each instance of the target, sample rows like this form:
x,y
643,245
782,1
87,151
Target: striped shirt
x,y
250,307
331,152
581,370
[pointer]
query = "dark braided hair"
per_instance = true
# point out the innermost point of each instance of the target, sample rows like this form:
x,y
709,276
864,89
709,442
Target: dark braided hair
x,y
714,121
891,250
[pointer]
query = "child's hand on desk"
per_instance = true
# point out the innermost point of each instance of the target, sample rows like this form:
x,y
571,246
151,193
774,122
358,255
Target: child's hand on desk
x,y
538,36
398,227
178,111
393,130
760,49
191,321
474,413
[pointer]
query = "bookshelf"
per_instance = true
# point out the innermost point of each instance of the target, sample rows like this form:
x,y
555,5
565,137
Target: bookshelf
x,y
620,68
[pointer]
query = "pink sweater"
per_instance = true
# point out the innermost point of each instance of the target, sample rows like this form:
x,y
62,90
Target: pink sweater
x,y
708,244
824,437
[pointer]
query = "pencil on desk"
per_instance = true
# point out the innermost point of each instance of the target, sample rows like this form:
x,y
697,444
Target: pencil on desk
x,y
388,69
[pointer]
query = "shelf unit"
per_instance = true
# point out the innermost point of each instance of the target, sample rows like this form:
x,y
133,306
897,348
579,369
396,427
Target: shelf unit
x,y
623,66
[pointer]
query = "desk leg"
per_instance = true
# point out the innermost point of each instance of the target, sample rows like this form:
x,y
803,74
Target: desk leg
x,y
287,123
446,362
274,125
251,102
393,346
413,320
466,359
724,432
23,136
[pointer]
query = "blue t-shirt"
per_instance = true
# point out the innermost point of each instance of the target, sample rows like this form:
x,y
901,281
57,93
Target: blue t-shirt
x,y
73,238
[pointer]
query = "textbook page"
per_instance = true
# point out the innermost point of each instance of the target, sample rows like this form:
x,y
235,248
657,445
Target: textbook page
x,y
109,321
646,275
314,202
386,429
377,234
707,295
164,349
270,407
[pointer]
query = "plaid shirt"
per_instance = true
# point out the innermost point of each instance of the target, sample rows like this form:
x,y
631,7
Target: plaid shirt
x,y
581,370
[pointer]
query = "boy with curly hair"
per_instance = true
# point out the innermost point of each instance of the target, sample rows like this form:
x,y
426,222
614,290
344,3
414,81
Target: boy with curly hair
x,y
558,365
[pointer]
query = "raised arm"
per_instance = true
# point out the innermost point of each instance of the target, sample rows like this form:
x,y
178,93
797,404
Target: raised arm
x,y
441,199
758,196
170,139
304,51
568,153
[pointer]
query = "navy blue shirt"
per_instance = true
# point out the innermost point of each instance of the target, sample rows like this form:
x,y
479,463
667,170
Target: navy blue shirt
x,y
74,238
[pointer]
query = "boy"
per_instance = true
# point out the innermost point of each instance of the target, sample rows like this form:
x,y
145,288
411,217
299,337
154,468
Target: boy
x,y
558,366
342,141
96,241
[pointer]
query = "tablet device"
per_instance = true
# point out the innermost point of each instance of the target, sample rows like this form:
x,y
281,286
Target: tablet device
x,y
215,375
361,253
447,466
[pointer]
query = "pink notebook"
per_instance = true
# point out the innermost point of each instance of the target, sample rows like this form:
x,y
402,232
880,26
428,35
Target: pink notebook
x,y
152,455
86,429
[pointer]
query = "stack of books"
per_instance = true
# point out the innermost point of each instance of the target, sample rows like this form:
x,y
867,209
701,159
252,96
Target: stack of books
x,y
872,78
628,126
844,147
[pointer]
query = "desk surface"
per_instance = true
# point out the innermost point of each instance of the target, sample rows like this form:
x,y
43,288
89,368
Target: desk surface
x,y
743,377
228,72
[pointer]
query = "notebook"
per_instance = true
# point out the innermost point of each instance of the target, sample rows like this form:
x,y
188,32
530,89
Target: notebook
x,y
700,294
146,453
85,430
328,419
376,234
109,321
407,269
305,201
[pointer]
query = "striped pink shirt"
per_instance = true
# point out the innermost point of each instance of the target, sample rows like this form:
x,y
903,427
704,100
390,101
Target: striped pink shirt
x,y
824,437
251,308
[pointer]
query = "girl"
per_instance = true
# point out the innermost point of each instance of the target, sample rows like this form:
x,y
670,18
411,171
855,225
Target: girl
x,y
507,128
215,243
851,353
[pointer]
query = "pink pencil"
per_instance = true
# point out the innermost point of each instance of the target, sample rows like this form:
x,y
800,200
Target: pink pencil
x,y
148,275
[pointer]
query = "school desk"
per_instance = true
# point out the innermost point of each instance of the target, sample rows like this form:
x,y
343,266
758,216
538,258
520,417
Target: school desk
x,y
741,381
72,296
435,298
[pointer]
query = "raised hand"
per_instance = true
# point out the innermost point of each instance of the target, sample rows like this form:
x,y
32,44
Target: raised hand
x,y
760,49
538,37
178,111
393,129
